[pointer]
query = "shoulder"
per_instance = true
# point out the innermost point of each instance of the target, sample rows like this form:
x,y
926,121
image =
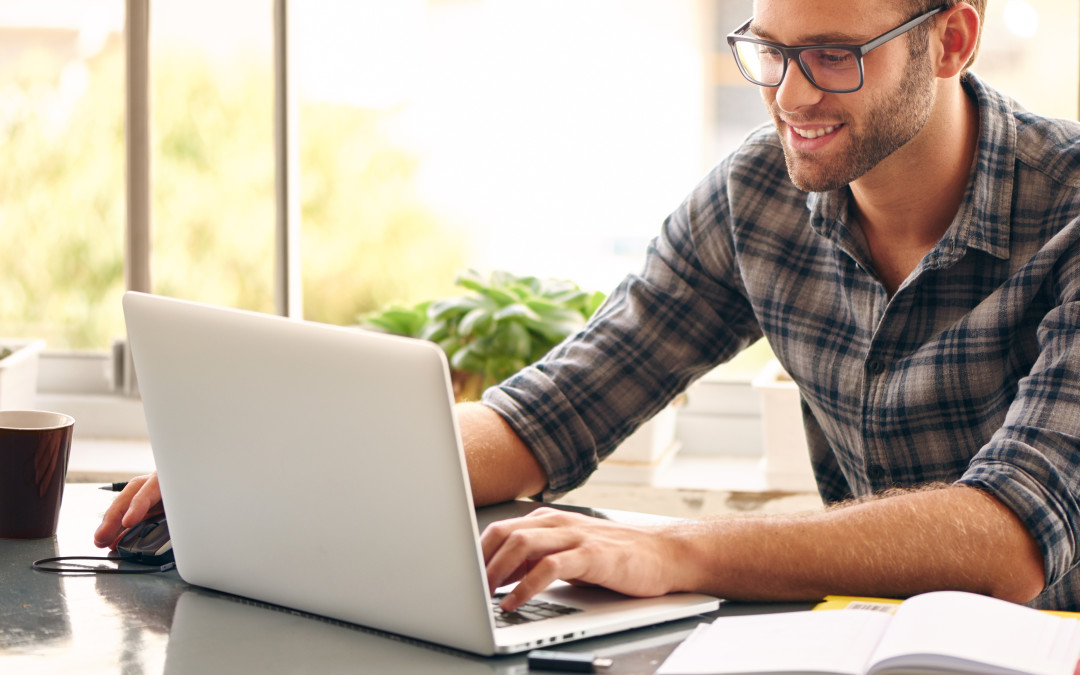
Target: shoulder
x,y
1046,145
752,177
759,157
1050,146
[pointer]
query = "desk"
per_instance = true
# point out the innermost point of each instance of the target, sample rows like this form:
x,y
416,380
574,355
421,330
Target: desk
x,y
155,623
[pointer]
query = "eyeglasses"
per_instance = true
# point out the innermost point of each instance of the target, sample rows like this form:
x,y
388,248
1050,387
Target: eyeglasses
x,y
836,69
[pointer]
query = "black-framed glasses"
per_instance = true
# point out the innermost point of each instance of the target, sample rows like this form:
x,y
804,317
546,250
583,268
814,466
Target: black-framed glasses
x,y
836,69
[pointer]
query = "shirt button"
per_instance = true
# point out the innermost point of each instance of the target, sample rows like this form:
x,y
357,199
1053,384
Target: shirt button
x,y
876,472
875,366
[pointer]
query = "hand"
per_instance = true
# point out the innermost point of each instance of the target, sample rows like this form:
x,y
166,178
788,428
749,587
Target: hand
x,y
131,506
548,545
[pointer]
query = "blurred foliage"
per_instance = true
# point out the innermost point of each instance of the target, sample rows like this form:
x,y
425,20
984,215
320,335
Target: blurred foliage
x,y
367,239
503,324
61,205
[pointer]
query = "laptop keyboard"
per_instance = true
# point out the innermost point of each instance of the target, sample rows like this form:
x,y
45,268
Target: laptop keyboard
x,y
533,610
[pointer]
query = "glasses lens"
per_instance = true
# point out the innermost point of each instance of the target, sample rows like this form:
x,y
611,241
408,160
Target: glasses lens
x,y
836,69
762,64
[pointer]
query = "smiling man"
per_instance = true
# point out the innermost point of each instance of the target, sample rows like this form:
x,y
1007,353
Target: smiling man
x,y
904,236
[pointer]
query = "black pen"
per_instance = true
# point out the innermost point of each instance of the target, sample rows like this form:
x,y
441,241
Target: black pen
x,y
114,487
572,662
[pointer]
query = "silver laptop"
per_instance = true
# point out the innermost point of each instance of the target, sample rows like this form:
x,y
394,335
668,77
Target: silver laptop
x,y
320,468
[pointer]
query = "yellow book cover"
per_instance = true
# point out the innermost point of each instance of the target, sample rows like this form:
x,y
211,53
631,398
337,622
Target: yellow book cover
x,y
889,605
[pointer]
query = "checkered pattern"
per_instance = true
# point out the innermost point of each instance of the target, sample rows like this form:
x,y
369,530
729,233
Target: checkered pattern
x,y
970,372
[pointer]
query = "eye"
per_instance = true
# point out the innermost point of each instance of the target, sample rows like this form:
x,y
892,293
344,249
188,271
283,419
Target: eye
x,y
835,59
768,54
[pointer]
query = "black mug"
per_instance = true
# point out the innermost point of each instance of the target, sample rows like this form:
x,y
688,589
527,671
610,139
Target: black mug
x,y
34,449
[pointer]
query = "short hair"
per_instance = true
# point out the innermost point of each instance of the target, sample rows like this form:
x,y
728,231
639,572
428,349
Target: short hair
x,y
917,39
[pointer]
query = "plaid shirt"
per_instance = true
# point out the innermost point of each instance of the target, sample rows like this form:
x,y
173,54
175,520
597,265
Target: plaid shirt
x,y
969,373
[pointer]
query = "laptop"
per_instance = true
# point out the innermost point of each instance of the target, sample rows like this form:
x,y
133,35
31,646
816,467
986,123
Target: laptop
x,y
320,468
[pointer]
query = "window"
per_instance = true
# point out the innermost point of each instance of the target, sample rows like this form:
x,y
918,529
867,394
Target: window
x,y
62,190
542,138
212,156
433,135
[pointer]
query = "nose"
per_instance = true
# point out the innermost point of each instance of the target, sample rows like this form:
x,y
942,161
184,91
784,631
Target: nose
x,y
796,91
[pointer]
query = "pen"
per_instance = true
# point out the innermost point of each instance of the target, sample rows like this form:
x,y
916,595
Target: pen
x,y
114,487
572,662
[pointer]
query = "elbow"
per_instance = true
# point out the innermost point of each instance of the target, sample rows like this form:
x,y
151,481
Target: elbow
x,y
1024,578
1017,572
1021,591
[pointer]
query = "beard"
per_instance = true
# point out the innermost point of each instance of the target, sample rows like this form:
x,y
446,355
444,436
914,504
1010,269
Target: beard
x,y
891,120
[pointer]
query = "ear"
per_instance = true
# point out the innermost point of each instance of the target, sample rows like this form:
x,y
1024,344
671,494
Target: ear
x,y
956,35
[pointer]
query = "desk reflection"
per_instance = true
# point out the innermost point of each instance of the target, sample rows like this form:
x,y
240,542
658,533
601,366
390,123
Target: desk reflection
x,y
213,632
33,607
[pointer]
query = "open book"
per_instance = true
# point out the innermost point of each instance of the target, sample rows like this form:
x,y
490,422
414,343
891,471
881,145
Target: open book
x,y
942,632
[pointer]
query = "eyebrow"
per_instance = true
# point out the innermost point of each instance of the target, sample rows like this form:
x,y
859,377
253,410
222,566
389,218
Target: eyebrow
x,y
835,38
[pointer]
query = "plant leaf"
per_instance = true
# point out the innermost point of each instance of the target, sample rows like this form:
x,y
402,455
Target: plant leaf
x,y
516,311
466,359
477,322
441,310
593,303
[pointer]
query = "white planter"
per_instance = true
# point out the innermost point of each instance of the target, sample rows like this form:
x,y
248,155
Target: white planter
x,y
18,374
786,461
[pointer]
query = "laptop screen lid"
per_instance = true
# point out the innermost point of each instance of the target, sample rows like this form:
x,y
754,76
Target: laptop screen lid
x,y
312,466
320,468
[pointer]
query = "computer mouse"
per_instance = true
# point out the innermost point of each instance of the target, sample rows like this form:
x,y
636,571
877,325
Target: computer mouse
x,y
147,542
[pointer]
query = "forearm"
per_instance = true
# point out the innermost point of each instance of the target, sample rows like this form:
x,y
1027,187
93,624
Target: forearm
x,y
951,538
501,466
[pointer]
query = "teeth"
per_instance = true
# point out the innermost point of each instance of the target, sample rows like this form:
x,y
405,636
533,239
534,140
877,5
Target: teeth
x,y
815,133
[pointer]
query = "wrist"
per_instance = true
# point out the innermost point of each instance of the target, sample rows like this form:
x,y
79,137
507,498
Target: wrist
x,y
686,560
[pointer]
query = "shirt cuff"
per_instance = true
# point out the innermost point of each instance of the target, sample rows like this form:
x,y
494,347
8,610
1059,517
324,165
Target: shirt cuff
x,y
1043,506
546,422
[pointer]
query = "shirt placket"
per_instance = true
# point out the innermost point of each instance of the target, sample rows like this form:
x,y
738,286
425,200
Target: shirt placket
x,y
880,378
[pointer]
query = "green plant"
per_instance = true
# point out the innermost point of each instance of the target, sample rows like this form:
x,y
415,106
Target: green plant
x,y
4,353
505,323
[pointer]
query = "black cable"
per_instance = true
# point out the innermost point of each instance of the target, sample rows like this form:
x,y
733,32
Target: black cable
x,y
75,568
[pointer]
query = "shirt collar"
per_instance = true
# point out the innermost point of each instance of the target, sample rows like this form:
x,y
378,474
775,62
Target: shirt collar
x,y
983,220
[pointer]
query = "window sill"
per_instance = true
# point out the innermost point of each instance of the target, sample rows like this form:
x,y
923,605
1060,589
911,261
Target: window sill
x,y
110,460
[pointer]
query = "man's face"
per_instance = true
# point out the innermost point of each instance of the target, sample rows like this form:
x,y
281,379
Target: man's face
x,y
831,140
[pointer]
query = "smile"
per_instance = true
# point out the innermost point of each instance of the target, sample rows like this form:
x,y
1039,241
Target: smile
x,y
816,133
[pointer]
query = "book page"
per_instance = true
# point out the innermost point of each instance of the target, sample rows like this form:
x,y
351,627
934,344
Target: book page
x,y
834,643
951,630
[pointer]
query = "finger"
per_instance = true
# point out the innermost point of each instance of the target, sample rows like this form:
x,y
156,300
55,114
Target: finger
x,y
113,521
522,547
567,565
147,497
493,536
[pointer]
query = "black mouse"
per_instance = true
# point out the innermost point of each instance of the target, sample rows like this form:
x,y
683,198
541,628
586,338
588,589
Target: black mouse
x,y
147,542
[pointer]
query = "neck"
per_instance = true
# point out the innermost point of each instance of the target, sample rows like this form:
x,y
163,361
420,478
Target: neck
x,y
907,202
914,194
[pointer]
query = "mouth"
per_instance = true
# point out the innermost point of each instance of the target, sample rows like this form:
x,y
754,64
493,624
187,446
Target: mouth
x,y
811,133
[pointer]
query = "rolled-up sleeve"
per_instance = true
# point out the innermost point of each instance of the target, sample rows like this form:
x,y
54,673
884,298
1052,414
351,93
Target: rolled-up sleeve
x,y
1032,463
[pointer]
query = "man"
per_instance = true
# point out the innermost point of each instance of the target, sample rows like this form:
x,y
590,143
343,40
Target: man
x,y
905,239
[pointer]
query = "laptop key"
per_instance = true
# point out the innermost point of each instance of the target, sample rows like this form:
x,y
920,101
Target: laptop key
x,y
533,610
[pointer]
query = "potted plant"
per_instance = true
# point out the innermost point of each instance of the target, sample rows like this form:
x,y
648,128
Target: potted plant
x,y
503,323
18,373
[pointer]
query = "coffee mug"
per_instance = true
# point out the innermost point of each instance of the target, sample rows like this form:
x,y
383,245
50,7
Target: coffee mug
x,y
34,448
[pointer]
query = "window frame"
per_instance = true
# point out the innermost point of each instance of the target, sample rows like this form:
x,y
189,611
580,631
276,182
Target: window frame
x,y
100,388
